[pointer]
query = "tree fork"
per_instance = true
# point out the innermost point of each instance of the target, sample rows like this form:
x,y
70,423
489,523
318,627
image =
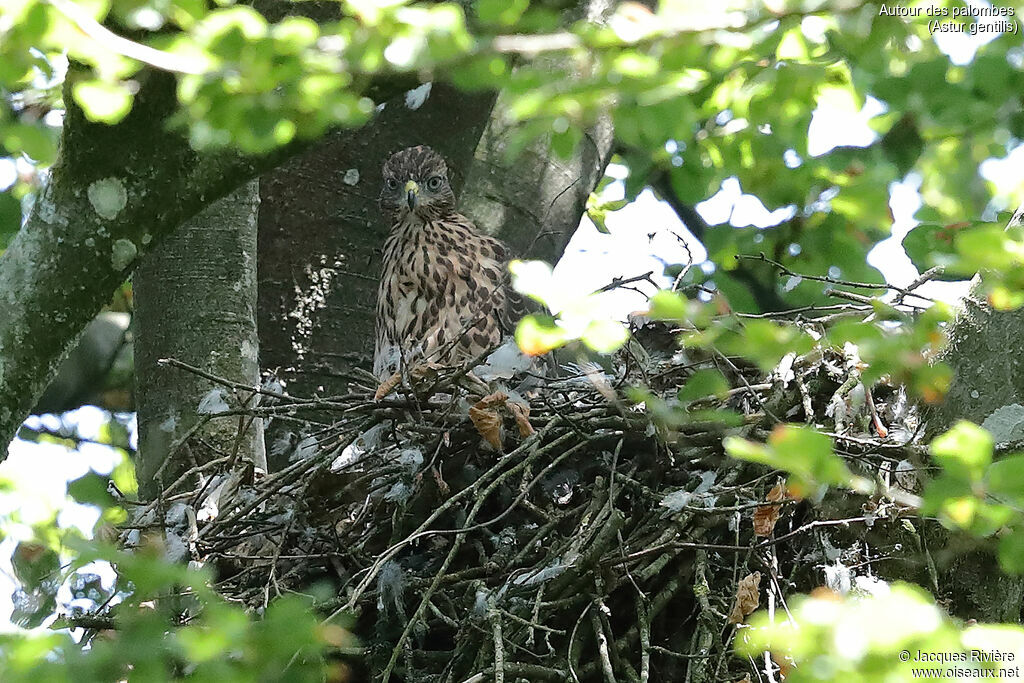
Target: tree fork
x,y
114,194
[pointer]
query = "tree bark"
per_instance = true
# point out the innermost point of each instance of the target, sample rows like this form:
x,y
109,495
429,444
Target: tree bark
x,y
97,371
987,387
982,350
115,193
196,303
533,202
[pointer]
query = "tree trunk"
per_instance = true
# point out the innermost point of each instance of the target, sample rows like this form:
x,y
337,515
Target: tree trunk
x,y
115,192
94,369
988,371
196,303
533,202
987,387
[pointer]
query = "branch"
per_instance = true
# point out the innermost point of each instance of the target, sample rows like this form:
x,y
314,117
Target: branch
x,y
165,61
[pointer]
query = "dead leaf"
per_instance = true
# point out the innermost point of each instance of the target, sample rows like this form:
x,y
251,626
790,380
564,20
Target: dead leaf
x,y
487,418
488,424
766,516
498,398
748,596
521,412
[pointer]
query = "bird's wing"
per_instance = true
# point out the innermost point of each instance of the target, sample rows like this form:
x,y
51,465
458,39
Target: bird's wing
x,y
515,305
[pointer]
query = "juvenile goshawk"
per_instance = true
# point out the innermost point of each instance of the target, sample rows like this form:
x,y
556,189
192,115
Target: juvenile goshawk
x,y
443,292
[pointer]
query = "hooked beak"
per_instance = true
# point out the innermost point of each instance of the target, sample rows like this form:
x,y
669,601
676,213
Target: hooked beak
x,y
412,194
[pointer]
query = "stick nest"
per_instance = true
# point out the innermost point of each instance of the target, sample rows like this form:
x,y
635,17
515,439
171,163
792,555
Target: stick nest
x,y
568,532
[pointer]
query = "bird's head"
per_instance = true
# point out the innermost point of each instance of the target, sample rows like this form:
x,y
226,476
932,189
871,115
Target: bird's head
x,y
416,181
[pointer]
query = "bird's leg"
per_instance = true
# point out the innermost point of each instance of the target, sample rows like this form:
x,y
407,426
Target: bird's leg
x,y
442,485
473,384
417,373
387,386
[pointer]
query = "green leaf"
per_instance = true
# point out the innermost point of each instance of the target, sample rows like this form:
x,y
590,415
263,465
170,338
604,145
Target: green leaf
x,y
123,477
34,564
1005,478
501,12
666,305
944,488
1011,552
965,450
102,101
598,218
538,334
903,144
227,629
792,46
704,382
930,245
605,336
598,210
803,452
564,143
91,489
766,342
534,279
37,141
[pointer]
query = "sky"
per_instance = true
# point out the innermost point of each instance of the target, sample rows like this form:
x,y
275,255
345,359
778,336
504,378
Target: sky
x,y
644,236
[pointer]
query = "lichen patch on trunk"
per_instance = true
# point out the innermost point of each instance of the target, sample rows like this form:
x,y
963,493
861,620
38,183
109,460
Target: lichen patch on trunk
x,y
415,98
122,253
108,197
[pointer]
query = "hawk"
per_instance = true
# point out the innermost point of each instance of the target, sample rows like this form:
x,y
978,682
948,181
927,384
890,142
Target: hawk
x,y
443,291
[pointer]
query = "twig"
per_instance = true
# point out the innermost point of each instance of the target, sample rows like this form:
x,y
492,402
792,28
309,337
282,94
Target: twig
x,y
825,278
602,645
499,645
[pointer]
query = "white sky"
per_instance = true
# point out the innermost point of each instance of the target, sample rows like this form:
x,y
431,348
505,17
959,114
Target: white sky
x,y
644,236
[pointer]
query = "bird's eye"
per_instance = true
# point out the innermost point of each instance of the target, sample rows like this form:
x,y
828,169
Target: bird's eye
x,y
435,183
392,184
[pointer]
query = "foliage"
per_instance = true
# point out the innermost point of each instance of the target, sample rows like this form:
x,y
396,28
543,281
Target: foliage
x,y
580,318
806,454
698,93
965,248
892,633
147,617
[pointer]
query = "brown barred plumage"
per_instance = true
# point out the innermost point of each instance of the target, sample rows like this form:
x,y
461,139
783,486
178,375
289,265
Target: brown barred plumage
x,y
443,293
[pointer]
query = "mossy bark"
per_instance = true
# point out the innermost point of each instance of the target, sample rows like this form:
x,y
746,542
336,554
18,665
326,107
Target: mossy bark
x,y
533,201
114,194
984,351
